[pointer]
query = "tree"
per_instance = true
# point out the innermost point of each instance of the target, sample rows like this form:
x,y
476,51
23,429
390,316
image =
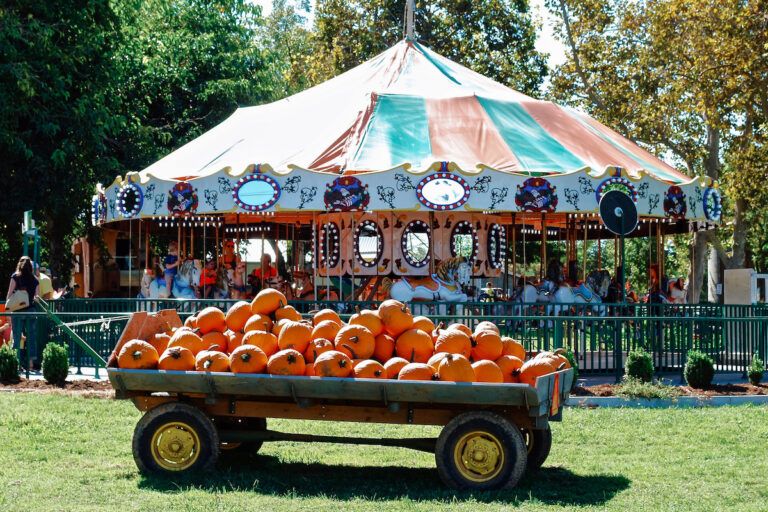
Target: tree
x,y
493,37
683,77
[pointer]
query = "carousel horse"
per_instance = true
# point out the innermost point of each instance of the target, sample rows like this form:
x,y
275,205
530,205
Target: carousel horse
x,y
187,279
591,291
445,285
153,287
528,294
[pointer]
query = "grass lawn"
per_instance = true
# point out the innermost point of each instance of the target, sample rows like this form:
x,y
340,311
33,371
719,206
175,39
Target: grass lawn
x,y
69,454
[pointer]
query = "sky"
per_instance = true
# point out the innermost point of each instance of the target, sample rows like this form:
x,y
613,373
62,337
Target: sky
x,y
545,41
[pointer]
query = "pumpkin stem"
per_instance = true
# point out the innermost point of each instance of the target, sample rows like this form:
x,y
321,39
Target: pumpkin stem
x,y
354,339
207,364
245,357
413,354
377,373
136,354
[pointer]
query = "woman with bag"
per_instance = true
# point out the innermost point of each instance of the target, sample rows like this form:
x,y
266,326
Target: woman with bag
x,y
23,289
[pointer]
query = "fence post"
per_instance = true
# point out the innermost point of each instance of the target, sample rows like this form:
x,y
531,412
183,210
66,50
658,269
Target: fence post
x,y
617,350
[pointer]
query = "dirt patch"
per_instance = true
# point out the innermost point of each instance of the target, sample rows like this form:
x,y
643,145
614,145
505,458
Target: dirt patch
x,y
88,388
716,390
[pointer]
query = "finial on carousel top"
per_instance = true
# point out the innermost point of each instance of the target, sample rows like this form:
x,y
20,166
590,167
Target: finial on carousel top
x,y
409,24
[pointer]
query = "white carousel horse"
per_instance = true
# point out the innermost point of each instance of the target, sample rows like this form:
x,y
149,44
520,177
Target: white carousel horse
x,y
157,288
591,291
528,295
187,279
445,285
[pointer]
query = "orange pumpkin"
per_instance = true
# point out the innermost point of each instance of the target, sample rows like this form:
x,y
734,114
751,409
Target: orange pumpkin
x,y
295,335
309,370
177,358
414,345
326,314
454,341
267,301
455,368
235,339
248,359
356,362
287,312
511,347
434,361
278,326
316,347
211,319
356,341
485,325
159,341
416,371
286,362
423,323
211,361
460,327
266,341
486,345
191,322
487,371
238,315
393,367
370,369
395,316
216,338
368,319
534,369
384,349
258,322
137,354
187,339
325,329
510,367
333,364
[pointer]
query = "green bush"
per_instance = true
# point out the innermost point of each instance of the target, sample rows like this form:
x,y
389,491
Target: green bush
x,y
639,365
572,359
632,387
699,370
9,364
55,364
756,369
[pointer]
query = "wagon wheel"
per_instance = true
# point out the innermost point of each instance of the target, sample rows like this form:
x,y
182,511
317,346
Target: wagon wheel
x,y
538,444
173,438
233,423
480,451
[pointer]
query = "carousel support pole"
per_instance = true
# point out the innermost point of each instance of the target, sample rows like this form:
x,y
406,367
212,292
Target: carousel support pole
x,y
514,251
506,259
315,252
352,259
615,252
599,251
261,272
146,247
192,241
216,254
543,246
130,256
584,254
205,251
432,241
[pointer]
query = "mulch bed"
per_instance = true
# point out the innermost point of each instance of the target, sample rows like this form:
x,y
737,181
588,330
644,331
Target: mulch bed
x,y
87,388
715,390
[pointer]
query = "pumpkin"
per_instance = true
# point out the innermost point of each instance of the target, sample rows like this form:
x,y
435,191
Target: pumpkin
x,y
460,327
258,322
235,339
534,369
393,367
384,348
486,345
211,319
325,329
510,367
512,347
191,322
286,362
295,335
356,362
278,326
370,369
177,358
455,368
288,312
416,371
356,341
238,315
267,301
216,338
187,339
248,359
487,371
395,316
562,362
368,319
212,361
137,354
423,323
414,345
309,370
485,325
326,314
266,341
454,341
316,347
333,364
159,341
435,359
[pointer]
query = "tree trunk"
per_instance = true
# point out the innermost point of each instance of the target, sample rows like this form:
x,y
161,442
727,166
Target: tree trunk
x,y
698,259
714,274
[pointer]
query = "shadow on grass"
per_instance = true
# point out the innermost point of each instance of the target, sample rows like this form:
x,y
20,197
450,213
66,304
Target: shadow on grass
x,y
266,474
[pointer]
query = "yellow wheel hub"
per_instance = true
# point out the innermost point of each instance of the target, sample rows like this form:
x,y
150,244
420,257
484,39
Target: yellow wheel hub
x,y
479,456
175,446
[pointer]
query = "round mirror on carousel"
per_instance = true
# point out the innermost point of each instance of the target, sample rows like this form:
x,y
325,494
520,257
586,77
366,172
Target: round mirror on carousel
x,y
328,245
130,200
464,240
442,191
256,192
497,241
415,243
369,243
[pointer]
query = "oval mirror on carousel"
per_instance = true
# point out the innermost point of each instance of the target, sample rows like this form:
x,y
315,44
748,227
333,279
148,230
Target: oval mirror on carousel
x,y
415,243
256,192
328,245
442,191
369,243
464,240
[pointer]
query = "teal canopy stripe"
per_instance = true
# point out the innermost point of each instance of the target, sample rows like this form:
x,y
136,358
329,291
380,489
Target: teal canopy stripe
x,y
536,150
398,130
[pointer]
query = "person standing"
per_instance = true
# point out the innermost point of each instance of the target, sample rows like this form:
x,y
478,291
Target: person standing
x,y
170,265
24,279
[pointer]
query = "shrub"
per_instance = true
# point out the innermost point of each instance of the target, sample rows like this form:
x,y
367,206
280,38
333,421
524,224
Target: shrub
x,y
756,369
639,365
632,387
572,360
699,370
55,364
9,364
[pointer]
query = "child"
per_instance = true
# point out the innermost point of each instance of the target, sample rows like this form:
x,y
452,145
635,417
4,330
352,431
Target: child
x,y
208,279
171,263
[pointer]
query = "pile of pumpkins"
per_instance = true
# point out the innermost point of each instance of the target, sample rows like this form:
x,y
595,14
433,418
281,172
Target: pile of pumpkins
x,y
269,336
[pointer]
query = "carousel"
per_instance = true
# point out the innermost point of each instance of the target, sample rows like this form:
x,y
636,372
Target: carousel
x,y
408,176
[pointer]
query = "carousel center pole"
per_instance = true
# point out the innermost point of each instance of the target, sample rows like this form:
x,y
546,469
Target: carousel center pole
x,y
409,24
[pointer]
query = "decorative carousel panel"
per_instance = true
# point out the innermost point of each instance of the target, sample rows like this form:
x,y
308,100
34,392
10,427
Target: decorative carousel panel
x,y
371,245
458,237
256,192
130,199
495,247
328,245
413,245
443,191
